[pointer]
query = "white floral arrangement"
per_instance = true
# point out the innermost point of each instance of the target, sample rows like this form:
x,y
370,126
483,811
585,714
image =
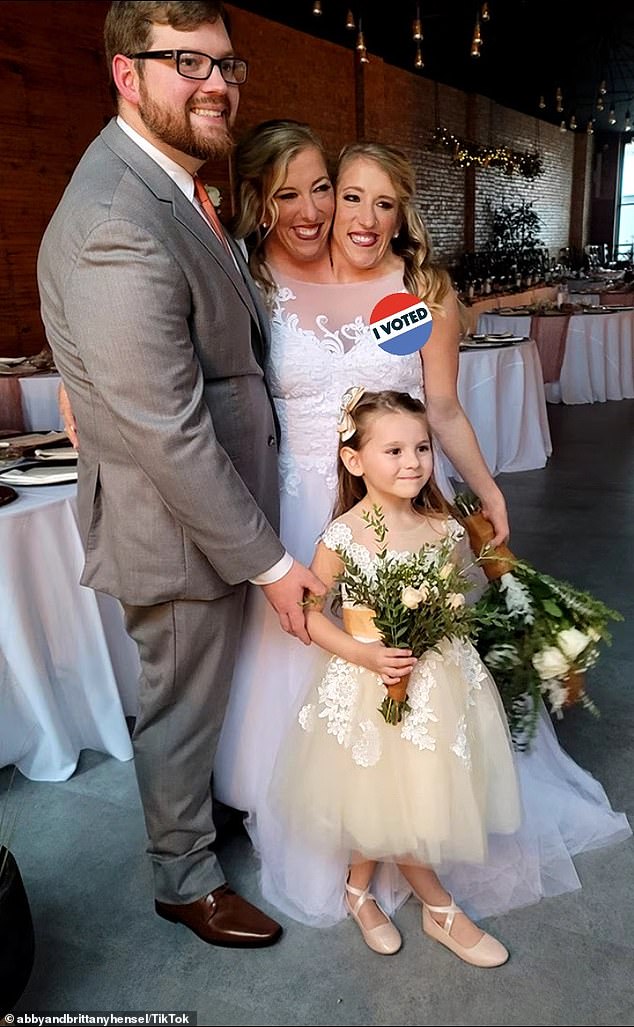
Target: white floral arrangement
x,y
537,635
538,638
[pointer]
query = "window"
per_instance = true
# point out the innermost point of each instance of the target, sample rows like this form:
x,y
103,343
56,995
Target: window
x,y
625,238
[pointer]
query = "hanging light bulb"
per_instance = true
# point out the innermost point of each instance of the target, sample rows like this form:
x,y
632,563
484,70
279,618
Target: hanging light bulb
x,y
486,14
603,87
417,27
573,123
317,7
542,103
418,60
590,128
612,116
600,103
559,98
627,127
360,45
350,20
562,127
477,38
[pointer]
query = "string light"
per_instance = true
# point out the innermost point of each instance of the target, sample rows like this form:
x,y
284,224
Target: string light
x,y
590,128
627,127
350,20
317,7
559,98
465,154
486,14
573,123
603,88
542,103
562,127
612,116
418,61
600,103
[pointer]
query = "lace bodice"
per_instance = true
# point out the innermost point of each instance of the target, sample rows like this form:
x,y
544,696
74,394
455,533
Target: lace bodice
x,y
321,345
340,536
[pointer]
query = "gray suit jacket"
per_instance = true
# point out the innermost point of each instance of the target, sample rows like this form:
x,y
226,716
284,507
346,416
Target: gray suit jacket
x,y
161,344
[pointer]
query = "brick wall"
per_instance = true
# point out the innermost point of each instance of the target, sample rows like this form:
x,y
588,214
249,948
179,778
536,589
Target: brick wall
x,y
51,108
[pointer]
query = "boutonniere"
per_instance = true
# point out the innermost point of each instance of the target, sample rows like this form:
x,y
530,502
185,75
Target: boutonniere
x,y
214,195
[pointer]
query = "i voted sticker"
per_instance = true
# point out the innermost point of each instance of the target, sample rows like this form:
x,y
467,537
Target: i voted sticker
x,y
401,323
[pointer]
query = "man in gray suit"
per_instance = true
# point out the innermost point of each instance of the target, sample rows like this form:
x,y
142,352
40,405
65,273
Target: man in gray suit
x,y
160,337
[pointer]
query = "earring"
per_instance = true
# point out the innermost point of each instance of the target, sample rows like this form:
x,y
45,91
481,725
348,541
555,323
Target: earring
x,y
396,234
264,226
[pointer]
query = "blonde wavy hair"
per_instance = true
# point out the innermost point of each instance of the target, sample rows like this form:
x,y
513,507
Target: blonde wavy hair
x,y
423,276
262,158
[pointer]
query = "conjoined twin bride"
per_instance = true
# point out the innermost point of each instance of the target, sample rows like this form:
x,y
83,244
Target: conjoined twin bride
x,y
321,286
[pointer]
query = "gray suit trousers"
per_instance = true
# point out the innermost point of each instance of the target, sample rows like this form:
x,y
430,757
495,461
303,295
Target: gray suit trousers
x,y
187,650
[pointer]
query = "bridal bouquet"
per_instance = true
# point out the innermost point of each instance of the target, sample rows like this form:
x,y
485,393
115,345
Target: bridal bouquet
x,y
417,598
537,635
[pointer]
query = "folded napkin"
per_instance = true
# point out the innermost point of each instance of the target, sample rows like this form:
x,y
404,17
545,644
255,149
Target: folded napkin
x,y
40,475
25,445
19,367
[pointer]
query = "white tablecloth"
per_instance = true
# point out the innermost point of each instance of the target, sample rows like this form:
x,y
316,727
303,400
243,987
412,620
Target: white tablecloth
x,y
39,402
502,393
68,670
598,360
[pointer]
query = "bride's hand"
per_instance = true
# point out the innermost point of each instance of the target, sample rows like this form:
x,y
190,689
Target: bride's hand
x,y
495,511
390,664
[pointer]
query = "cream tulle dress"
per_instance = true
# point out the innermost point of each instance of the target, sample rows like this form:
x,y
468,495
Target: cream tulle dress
x,y
428,790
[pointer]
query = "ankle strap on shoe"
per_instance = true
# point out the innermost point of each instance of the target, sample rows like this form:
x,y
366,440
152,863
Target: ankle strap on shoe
x,y
449,911
363,895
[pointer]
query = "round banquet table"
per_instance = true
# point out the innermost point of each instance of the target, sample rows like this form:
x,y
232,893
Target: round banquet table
x,y
502,392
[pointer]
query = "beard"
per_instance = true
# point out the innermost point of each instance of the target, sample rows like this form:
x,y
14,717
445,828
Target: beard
x,y
173,128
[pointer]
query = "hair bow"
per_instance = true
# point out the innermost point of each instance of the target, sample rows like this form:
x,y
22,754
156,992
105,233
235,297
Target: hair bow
x,y
345,425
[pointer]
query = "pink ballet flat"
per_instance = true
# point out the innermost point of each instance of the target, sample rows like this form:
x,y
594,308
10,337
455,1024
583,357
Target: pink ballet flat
x,y
385,938
487,952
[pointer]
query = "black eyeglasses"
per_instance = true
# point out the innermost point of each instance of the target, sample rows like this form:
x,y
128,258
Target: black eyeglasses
x,y
193,64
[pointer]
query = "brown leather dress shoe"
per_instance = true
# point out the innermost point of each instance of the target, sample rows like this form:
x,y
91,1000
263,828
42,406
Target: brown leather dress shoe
x,y
224,918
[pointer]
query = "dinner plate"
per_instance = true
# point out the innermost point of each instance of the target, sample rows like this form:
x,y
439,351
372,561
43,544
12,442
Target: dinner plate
x,y
498,340
39,475
604,309
473,347
7,495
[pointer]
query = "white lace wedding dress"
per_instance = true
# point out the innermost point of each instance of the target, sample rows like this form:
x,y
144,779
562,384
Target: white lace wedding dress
x,y
320,347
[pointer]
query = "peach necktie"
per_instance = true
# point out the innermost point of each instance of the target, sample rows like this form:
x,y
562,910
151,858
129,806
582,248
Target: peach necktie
x,y
210,211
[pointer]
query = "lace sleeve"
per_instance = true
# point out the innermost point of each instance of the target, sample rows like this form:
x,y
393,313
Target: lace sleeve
x,y
337,536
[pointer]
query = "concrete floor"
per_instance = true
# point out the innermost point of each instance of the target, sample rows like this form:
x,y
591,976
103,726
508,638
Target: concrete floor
x,y
80,844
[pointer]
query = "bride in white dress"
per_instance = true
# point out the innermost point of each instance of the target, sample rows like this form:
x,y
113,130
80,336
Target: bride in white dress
x,y
321,346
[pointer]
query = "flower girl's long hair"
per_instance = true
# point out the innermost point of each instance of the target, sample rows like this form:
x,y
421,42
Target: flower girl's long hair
x,y
351,488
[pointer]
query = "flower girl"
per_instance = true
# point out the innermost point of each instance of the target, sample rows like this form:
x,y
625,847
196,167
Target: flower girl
x,y
423,789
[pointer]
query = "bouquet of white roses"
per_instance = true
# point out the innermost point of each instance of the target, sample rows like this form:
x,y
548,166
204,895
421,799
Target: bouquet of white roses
x,y
537,635
417,598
